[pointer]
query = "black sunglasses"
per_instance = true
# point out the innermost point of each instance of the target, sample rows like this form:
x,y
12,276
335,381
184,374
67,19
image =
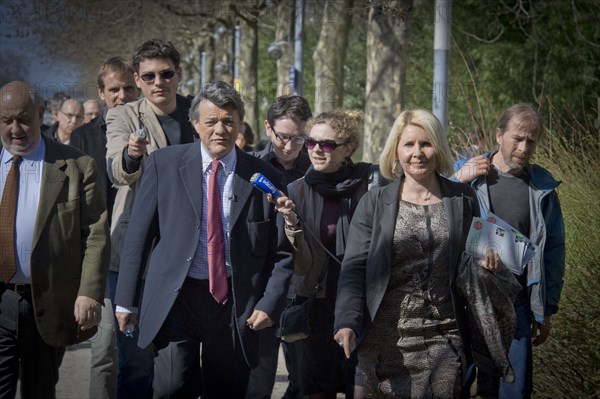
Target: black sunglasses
x,y
327,146
164,75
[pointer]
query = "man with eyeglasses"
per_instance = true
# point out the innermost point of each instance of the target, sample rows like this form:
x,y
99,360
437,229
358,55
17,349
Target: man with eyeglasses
x,y
285,127
135,130
116,87
69,116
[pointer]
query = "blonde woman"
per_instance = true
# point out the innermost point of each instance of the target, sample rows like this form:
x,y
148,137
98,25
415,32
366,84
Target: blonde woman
x,y
397,293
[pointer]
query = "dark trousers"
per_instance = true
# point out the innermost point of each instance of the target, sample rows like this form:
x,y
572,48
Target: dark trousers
x,y
262,378
136,365
24,352
198,324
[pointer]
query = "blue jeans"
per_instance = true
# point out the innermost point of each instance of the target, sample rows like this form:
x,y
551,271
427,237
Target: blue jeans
x,y
521,360
136,365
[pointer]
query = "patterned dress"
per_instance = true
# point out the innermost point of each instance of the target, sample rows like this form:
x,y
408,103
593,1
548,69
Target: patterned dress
x,y
413,349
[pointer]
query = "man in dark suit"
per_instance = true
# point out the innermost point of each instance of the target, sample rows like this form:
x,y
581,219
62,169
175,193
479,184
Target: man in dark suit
x,y
285,126
116,87
220,268
54,252
162,115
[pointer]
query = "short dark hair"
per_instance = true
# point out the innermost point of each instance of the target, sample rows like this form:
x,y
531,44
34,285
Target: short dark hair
x,y
248,133
155,48
292,107
117,65
219,93
57,100
526,116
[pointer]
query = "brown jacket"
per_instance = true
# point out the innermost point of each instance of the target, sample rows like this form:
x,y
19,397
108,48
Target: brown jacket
x,y
70,243
121,122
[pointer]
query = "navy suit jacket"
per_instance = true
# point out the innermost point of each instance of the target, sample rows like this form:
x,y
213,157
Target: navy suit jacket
x,y
168,209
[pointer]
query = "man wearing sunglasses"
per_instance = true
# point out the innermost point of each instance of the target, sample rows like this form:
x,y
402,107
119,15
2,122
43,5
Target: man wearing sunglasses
x,y
285,128
135,130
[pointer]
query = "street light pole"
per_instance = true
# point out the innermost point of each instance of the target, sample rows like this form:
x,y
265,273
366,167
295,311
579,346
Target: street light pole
x,y
441,55
298,48
236,58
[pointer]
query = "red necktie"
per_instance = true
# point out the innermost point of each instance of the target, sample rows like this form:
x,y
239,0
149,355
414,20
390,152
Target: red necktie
x,y
8,211
217,272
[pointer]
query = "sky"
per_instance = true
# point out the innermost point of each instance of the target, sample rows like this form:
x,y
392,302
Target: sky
x,y
18,44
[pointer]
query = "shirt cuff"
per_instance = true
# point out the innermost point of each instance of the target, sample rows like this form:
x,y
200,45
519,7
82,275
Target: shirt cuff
x,y
125,309
131,165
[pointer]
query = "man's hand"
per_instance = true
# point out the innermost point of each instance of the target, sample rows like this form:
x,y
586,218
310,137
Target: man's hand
x,y
475,167
136,148
88,312
347,339
124,318
540,332
259,320
491,261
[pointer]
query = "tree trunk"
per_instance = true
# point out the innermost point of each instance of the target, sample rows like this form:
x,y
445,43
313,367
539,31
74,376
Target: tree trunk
x,y
330,55
248,67
283,36
387,51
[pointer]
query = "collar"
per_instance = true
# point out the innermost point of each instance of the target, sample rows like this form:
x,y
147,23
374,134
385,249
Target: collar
x,y
228,161
540,178
301,163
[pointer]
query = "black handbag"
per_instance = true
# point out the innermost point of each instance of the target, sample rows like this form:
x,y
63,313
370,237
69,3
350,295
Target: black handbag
x,y
294,323
295,320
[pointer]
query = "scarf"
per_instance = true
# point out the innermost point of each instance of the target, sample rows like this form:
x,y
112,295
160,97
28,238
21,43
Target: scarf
x,y
348,183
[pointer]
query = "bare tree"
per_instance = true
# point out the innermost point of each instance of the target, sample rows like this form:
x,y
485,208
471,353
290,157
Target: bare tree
x,y
248,61
330,55
283,37
387,52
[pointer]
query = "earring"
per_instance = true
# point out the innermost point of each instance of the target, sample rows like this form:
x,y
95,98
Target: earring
x,y
344,163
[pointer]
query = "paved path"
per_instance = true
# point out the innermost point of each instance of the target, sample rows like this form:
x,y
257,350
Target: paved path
x,y
75,374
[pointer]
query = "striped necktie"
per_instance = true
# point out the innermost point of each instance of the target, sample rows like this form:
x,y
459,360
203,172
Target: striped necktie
x,y
217,272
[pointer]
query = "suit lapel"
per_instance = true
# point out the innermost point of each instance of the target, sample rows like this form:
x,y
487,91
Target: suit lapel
x,y
242,188
53,180
388,217
191,164
148,118
453,207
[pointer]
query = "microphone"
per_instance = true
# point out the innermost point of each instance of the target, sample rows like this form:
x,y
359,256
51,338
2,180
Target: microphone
x,y
259,181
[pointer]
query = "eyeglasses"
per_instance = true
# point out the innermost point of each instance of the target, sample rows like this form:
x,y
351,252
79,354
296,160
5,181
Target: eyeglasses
x,y
71,116
327,146
164,75
286,139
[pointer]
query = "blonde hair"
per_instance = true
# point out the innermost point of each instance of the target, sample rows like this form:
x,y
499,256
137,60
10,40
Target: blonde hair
x,y
346,125
388,163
